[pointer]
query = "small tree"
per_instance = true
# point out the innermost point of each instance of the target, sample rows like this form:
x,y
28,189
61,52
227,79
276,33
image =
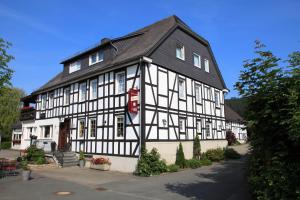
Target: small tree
x,y
180,159
230,137
196,148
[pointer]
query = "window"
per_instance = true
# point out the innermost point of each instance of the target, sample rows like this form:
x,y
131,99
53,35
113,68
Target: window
x,y
207,129
44,100
198,128
182,125
92,127
46,130
81,128
206,65
180,52
93,89
181,88
198,93
197,60
75,66
96,57
120,126
120,82
67,96
82,92
217,98
51,99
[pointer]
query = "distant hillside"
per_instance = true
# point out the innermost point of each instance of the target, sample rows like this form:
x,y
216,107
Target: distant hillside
x,y
238,105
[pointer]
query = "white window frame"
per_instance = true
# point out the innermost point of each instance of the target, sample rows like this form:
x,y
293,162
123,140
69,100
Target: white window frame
x,y
99,57
44,131
199,94
67,95
181,89
182,127
180,52
90,127
208,129
82,92
93,91
116,126
79,128
206,65
120,89
199,60
198,127
43,101
51,99
217,98
74,66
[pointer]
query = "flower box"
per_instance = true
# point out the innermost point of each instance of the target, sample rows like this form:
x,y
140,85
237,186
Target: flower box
x,y
100,164
103,167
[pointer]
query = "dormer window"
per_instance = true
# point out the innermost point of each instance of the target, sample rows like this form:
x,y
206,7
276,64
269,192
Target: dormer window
x,y
180,52
75,66
206,65
96,57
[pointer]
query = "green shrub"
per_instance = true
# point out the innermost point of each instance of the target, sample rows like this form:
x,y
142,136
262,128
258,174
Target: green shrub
x,y
196,148
150,163
180,159
81,155
35,155
215,154
230,153
193,163
205,162
5,145
173,168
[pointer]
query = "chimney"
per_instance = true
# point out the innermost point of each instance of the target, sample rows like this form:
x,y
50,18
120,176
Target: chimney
x,y
105,40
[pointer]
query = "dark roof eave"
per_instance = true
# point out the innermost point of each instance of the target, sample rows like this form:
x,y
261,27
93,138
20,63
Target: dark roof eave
x,y
130,61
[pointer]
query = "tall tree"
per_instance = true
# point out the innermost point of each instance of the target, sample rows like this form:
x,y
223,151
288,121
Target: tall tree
x,y
273,101
9,109
5,71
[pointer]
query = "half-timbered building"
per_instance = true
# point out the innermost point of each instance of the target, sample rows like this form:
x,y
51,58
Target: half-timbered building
x,y
155,87
236,124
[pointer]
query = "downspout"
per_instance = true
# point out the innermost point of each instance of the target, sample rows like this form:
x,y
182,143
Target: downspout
x,y
143,62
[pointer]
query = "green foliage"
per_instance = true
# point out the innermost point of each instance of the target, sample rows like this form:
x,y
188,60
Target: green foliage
x,y
35,155
9,110
205,162
81,155
193,163
180,159
150,163
230,153
215,155
24,165
173,168
5,145
5,58
196,148
273,114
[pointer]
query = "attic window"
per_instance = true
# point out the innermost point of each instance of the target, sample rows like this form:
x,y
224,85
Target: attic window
x,y
75,66
180,52
206,65
96,57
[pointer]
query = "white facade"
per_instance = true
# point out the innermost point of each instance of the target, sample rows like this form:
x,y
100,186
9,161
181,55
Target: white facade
x,y
16,138
239,130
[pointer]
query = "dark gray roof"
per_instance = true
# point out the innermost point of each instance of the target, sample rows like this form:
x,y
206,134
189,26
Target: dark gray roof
x,y
231,115
17,125
130,47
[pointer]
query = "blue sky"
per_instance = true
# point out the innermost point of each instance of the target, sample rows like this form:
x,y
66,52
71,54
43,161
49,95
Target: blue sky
x,y
45,32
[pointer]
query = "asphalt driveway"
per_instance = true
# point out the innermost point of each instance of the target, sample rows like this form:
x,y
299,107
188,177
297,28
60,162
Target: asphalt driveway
x,y
223,180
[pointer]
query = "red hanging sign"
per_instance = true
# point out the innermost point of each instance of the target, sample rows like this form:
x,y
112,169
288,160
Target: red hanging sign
x,y
133,103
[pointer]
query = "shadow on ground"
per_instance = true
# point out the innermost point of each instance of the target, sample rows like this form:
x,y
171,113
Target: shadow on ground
x,y
222,181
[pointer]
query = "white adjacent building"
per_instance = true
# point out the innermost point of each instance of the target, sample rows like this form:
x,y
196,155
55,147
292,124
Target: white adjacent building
x,y
154,87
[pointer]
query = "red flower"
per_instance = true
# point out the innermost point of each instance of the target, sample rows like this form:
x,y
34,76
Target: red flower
x,y
100,161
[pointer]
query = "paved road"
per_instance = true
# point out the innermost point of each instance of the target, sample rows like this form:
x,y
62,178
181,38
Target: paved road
x,y
220,181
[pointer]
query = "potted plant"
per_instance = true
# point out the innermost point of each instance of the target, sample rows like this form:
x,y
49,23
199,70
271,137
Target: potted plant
x,y
100,163
81,159
26,172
